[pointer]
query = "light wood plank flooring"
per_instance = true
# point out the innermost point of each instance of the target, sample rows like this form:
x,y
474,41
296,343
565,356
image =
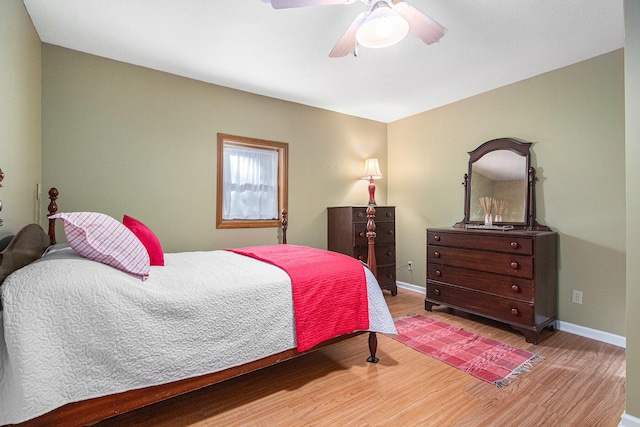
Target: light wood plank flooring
x,y
580,382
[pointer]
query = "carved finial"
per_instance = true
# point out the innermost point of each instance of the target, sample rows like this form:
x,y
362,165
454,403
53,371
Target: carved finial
x,y
53,208
53,196
284,226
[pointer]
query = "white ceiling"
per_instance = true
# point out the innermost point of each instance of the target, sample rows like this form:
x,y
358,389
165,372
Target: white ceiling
x,y
248,45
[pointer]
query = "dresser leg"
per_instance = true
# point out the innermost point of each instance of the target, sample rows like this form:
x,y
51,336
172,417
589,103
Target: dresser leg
x,y
530,336
428,305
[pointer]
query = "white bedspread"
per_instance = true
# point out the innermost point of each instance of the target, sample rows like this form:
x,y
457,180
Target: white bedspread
x,y
73,329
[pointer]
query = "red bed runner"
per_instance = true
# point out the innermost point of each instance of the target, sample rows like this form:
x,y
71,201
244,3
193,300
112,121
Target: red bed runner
x,y
329,290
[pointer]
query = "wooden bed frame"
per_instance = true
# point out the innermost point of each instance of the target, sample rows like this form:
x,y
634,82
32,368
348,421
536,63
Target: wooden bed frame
x,y
93,410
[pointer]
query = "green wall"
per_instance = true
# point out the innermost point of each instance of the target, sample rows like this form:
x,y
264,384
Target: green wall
x,y
632,110
19,117
122,139
575,118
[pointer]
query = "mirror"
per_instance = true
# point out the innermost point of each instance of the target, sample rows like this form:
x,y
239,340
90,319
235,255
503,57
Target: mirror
x,y
500,182
500,176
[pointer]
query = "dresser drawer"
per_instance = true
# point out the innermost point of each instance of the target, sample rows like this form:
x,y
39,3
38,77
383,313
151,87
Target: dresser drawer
x,y
510,243
493,262
385,233
347,234
505,309
383,214
386,275
385,254
497,284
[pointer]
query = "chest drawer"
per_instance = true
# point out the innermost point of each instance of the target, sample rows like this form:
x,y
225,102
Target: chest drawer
x,y
512,311
497,284
493,262
386,275
385,254
385,233
347,234
510,243
383,214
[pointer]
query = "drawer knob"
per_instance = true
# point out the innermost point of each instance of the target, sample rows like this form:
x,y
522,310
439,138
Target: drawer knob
x,y
438,273
436,254
437,292
388,214
436,238
390,275
515,311
360,257
514,245
360,215
514,265
362,234
390,232
389,253
515,288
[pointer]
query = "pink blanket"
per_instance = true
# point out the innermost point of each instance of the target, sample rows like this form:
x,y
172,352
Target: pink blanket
x,y
329,290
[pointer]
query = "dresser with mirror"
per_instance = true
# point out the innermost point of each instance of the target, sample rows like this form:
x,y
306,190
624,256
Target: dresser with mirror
x,y
498,262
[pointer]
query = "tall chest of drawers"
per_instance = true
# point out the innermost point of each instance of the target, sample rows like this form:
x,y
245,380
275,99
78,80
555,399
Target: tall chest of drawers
x,y
347,234
509,276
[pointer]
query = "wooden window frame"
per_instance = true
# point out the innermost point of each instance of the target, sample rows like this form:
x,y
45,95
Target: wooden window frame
x,y
283,170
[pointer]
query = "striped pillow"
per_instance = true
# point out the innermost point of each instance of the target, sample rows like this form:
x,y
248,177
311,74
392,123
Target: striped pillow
x,y
100,238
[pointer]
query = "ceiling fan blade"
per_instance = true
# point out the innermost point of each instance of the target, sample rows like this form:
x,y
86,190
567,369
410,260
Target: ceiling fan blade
x,y
347,44
420,25
286,4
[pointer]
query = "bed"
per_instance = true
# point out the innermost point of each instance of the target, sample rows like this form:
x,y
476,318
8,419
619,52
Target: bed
x,y
81,341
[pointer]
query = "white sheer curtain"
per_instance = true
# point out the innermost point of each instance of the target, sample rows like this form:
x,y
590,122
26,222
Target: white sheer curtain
x,y
250,189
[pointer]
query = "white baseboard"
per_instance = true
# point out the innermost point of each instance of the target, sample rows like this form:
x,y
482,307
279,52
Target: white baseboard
x,y
571,328
410,287
629,421
594,334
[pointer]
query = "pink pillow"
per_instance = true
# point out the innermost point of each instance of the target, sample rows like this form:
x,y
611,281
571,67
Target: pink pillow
x,y
148,239
101,238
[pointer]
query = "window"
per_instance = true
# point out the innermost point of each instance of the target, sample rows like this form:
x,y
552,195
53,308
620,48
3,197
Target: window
x,y
252,182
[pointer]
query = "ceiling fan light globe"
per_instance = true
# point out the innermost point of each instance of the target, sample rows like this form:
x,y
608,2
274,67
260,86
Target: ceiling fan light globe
x,y
383,27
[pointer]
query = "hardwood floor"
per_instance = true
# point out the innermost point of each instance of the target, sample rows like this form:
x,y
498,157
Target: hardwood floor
x,y
580,382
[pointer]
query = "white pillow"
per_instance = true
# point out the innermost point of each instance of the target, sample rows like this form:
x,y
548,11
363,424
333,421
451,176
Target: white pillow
x,y
101,238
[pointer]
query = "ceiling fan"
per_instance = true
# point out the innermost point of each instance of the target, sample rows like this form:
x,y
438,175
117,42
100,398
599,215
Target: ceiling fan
x,y
385,23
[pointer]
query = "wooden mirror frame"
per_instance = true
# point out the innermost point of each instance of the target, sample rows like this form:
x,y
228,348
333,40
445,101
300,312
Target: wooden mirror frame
x,y
522,149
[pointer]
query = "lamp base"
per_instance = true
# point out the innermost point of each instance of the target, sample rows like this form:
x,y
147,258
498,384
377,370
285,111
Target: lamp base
x,y
372,193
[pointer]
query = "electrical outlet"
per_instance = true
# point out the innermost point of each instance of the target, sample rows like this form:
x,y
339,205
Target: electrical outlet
x,y
576,296
410,265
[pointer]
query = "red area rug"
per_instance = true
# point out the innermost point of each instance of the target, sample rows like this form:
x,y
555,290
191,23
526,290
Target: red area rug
x,y
484,358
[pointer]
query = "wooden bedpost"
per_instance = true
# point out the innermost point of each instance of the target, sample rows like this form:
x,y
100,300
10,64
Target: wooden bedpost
x,y
371,263
373,347
284,226
371,237
53,208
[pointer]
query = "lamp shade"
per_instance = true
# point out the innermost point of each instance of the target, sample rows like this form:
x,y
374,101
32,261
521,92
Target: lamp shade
x,y
371,169
383,27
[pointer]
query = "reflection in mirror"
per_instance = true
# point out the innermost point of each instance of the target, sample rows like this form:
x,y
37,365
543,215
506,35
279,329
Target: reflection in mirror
x,y
502,176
